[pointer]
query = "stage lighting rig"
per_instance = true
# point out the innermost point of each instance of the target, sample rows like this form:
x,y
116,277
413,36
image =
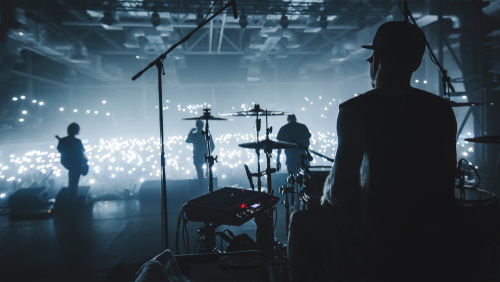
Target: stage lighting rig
x,y
155,19
284,22
323,22
107,19
243,21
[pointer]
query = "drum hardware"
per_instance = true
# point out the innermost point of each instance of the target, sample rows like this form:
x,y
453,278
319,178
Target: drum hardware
x,y
323,156
261,174
455,104
207,229
493,139
285,190
210,159
255,112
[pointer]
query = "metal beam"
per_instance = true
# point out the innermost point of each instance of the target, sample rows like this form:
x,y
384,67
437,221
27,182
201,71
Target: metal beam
x,y
222,31
211,37
197,41
193,25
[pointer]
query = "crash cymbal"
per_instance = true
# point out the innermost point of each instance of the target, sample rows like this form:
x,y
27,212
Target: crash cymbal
x,y
495,139
268,144
455,104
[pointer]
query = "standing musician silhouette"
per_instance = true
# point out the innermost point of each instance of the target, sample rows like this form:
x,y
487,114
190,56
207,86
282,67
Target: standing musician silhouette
x,y
73,158
200,149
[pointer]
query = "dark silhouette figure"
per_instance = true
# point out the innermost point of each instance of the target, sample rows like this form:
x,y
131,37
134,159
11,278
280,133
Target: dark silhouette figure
x,y
73,158
297,133
197,138
393,176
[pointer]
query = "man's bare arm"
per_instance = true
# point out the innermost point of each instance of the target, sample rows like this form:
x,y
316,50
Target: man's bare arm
x,y
344,184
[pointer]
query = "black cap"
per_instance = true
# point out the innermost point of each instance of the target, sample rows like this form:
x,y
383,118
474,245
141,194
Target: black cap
x,y
399,39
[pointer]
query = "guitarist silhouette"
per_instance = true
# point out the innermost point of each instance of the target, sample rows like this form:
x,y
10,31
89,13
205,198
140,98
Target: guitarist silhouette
x,y
73,158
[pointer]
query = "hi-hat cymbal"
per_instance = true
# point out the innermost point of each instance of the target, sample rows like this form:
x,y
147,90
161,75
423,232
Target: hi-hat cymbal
x,y
495,139
268,144
455,104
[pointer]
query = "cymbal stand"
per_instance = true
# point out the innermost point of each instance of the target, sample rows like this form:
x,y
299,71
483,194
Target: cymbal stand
x,y
210,159
158,62
257,128
269,152
302,177
285,190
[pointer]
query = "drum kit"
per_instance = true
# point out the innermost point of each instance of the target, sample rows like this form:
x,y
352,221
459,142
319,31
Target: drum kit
x,y
307,183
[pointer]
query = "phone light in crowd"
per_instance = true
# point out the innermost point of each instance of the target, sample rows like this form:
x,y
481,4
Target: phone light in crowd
x,y
425,81
34,101
464,97
88,111
41,103
75,110
21,119
416,81
104,101
25,112
61,109
96,112
14,98
23,97
107,114
3,195
91,181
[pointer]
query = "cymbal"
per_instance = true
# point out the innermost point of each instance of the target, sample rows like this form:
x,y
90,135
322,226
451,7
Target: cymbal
x,y
268,144
253,113
205,117
495,139
455,104
256,111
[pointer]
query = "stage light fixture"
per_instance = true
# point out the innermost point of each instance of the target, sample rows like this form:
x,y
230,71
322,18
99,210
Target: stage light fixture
x,y
243,21
155,19
107,19
199,18
284,22
323,23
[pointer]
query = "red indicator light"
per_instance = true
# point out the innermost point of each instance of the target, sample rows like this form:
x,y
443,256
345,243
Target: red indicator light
x,y
231,195
242,206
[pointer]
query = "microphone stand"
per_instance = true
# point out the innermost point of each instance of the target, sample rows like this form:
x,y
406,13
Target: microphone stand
x,y
158,62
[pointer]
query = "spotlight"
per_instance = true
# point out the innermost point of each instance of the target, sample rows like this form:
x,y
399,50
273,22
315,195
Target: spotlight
x,y
323,23
284,22
107,19
243,21
199,18
155,19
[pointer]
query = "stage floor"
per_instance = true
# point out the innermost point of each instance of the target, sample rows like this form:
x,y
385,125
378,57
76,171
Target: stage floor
x,y
85,245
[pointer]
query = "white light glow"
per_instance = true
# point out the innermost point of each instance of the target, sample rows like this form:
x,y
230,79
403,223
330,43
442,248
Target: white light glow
x,y
61,109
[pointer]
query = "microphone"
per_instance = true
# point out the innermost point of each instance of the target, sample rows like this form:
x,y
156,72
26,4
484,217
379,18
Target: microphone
x,y
235,12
